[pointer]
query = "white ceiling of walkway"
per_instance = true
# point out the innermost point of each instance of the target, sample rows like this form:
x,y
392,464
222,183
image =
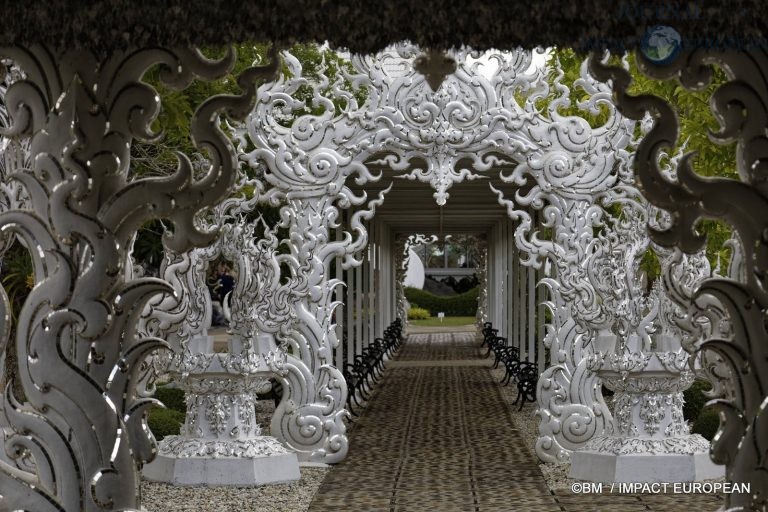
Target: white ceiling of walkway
x,y
409,207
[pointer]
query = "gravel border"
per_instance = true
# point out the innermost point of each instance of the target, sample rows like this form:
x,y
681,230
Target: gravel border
x,y
291,497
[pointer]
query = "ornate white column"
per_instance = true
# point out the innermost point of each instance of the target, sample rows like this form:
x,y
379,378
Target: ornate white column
x,y
738,202
480,257
571,408
309,418
567,190
82,420
220,443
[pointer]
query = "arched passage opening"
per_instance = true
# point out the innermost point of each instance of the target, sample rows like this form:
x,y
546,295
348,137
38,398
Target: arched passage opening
x,y
108,406
486,132
472,211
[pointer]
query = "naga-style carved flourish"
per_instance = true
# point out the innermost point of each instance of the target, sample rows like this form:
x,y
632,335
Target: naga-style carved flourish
x,y
82,420
741,107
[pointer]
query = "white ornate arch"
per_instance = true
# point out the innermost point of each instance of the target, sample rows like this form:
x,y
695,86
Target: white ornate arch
x,y
473,123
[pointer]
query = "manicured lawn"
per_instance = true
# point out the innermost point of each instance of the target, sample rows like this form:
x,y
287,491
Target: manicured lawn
x,y
447,321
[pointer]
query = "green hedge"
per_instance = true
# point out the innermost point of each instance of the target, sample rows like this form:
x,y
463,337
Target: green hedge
x,y
464,304
417,313
167,422
164,422
704,421
706,424
695,399
172,398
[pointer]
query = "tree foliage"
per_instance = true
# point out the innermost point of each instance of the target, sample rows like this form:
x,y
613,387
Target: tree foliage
x,y
696,123
158,158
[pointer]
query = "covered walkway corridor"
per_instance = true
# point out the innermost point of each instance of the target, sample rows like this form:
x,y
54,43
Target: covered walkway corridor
x,y
438,435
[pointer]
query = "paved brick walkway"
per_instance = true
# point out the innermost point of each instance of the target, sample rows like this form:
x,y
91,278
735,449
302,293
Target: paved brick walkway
x,y
426,441
437,436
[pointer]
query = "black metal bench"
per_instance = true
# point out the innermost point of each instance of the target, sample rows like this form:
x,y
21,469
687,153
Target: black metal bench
x,y
524,374
527,380
368,366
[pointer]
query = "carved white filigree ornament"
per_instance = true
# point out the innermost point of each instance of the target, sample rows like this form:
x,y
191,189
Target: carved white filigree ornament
x,y
473,122
82,420
740,106
644,364
438,136
401,265
648,419
649,386
221,387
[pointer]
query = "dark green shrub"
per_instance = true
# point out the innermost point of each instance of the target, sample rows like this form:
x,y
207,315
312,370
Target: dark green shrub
x,y
695,399
465,284
464,304
164,422
707,423
172,398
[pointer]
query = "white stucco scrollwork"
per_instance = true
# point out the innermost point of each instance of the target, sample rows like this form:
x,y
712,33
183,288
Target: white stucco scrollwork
x,y
82,419
476,120
221,387
739,202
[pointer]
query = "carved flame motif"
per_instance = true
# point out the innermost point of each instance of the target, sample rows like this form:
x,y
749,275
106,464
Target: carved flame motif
x,y
740,106
82,420
483,116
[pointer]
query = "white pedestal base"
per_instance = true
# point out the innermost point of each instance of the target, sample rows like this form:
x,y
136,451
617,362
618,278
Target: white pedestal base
x,y
605,467
215,469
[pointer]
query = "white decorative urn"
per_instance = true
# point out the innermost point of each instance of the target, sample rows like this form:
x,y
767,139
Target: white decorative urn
x,y
650,440
221,442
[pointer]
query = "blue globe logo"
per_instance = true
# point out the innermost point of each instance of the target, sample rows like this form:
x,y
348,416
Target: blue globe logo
x,y
660,44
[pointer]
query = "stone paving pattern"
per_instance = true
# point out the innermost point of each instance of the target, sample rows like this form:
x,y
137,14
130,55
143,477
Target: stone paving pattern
x,y
439,437
441,347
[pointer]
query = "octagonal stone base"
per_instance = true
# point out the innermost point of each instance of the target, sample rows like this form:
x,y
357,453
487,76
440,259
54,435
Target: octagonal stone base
x,y
604,466
205,464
